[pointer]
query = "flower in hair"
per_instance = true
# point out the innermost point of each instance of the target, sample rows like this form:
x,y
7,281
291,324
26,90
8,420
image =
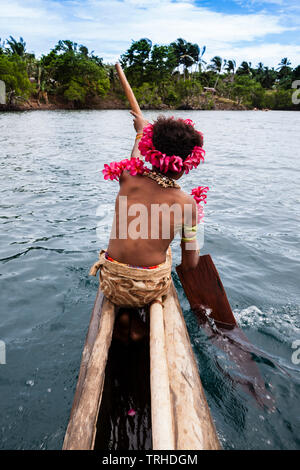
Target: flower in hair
x,y
189,122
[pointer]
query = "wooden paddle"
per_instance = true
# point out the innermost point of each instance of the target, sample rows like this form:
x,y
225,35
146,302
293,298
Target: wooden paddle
x,y
128,90
208,300
205,292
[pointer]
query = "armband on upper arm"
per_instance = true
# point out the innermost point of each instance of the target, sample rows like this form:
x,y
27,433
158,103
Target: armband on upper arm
x,y
190,233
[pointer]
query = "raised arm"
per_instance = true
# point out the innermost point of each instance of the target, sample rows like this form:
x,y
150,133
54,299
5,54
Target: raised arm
x,y
139,123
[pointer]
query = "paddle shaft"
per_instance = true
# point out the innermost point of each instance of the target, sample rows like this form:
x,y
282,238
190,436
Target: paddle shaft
x,y
128,90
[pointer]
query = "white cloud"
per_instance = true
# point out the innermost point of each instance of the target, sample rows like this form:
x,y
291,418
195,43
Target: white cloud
x,y
165,20
14,10
109,27
270,54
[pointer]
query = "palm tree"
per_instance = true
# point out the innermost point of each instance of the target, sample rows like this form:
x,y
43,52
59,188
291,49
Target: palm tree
x,y
187,61
17,47
200,60
285,62
284,73
266,77
186,53
230,66
216,66
260,66
245,68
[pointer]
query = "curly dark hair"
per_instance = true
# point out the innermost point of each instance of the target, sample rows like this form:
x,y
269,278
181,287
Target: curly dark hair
x,y
175,137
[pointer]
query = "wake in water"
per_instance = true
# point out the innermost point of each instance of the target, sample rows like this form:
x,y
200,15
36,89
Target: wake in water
x,y
240,366
239,358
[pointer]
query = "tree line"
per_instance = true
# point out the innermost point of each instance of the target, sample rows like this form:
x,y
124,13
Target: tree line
x,y
176,75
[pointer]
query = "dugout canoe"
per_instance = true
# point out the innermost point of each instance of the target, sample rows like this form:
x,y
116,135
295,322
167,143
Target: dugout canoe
x,y
180,417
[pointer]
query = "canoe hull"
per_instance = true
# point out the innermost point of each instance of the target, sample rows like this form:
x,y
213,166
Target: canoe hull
x,y
190,425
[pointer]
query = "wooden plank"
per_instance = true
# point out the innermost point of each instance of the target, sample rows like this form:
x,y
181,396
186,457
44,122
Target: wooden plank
x,y
161,409
194,427
88,346
81,430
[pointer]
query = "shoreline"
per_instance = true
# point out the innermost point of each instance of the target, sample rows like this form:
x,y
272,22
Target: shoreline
x,y
51,108
112,101
202,102
8,109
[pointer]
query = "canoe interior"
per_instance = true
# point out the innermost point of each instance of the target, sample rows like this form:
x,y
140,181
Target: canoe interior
x,y
115,378
126,387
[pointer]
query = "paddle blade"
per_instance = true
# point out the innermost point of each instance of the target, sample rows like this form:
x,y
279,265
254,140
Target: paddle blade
x,y
204,290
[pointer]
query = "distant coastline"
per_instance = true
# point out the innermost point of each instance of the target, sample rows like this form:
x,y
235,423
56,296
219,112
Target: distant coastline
x,y
204,101
163,77
112,101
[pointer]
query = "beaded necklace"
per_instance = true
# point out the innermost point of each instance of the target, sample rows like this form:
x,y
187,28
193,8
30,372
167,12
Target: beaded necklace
x,y
162,180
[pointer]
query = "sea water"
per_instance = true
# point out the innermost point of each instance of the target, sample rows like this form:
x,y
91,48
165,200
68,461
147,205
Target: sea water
x,y
55,214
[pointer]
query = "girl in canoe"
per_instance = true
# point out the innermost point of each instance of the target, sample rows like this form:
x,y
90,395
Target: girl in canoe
x,y
150,210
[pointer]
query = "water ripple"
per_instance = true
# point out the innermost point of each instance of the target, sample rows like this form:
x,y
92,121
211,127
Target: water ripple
x,y
54,197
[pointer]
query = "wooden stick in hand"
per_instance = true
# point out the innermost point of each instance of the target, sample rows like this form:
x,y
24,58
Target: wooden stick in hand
x,y
127,89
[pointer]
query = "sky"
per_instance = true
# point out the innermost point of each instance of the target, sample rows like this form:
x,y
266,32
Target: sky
x,y
253,30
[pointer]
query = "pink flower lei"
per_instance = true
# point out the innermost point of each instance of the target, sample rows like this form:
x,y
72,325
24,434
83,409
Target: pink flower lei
x,y
165,162
135,166
199,194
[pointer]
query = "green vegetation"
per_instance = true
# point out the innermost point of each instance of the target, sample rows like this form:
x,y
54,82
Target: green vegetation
x,y
13,70
162,76
178,76
69,73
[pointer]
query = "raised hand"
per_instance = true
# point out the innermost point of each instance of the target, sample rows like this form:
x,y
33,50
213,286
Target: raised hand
x,y
139,121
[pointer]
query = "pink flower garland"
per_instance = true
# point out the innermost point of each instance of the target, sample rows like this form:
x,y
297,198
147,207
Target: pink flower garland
x,y
167,163
113,171
136,167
